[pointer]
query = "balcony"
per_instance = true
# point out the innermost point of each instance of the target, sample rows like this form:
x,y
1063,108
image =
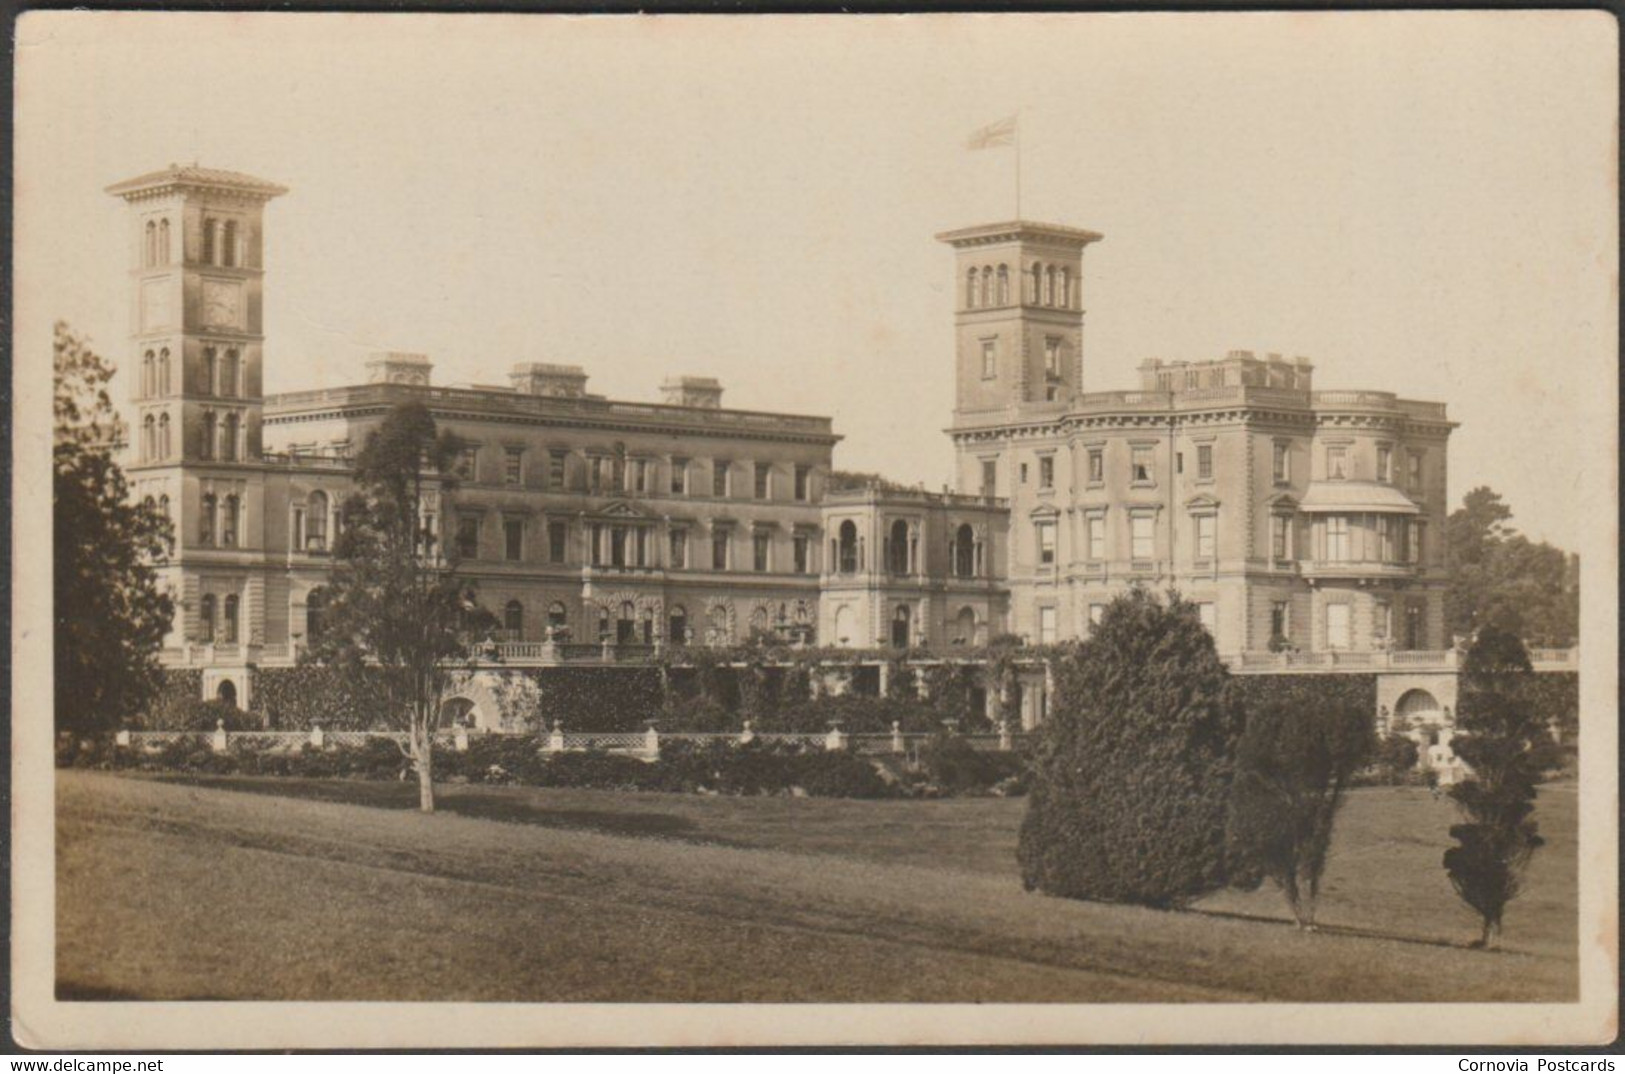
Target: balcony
x,y
1356,570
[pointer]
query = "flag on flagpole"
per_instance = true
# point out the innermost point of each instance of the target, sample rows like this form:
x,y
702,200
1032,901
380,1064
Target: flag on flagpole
x,y
994,135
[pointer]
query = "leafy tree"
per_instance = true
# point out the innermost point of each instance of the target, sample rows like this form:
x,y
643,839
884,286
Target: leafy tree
x,y
399,617
1397,753
110,614
1293,764
1502,579
1132,772
1504,741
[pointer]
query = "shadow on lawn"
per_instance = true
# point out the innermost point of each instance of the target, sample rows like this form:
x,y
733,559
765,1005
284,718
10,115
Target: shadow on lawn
x,y
1364,933
449,798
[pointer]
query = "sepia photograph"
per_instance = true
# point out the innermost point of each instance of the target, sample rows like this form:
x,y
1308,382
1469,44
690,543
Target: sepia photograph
x,y
592,531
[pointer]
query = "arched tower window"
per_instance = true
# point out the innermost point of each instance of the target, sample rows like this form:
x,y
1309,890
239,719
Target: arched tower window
x,y
163,504
847,548
971,288
149,438
1004,285
147,375
965,552
1037,295
987,285
513,620
163,371
205,520
228,522
228,373
207,446
897,548
316,522
1066,288
229,633
228,437
209,243
228,244
205,626
205,373
163,241
149,252
163,436
1049,285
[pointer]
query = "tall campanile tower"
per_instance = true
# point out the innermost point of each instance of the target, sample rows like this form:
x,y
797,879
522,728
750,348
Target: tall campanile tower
x,y
1018,316
197,332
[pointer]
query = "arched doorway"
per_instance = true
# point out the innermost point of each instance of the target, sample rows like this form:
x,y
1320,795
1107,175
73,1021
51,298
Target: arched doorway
x,y
901,621
227,692
1418,706
457,712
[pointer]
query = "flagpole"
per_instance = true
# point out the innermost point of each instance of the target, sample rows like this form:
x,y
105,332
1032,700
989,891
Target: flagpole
x,y
1018,164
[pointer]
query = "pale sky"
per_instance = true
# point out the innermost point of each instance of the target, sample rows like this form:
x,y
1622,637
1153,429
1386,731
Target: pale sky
x,y
1420,203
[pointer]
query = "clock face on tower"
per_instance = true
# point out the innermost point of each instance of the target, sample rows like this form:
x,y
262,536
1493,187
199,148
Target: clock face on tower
x,y
222,304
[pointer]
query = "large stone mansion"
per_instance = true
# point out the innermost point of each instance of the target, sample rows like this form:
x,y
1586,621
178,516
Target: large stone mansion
x,y
1305,524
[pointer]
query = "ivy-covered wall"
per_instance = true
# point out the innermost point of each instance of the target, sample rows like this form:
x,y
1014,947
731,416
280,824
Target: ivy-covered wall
x,y
181,691
296,698
1353,689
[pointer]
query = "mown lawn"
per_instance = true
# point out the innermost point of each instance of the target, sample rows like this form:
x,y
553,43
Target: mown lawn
x,y
171,889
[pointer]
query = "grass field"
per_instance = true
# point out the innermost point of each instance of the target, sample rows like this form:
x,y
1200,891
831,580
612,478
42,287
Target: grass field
x,y
237,888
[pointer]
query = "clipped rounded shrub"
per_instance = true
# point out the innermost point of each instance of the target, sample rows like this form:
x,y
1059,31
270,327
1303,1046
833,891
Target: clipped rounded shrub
x,y
1131,776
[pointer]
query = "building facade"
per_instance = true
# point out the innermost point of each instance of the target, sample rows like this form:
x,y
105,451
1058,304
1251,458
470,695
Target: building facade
x,y
1306,525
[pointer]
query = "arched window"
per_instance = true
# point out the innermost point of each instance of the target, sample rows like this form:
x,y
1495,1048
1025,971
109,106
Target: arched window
x,y
228,374
972,285
230,624
987,285
163,241
205,520
1065,288
316,522
206,448
901,623
162,385
897,548
1004,285
965,626
228,522
646,622
205,626
626,625
677,622
965,552
1049,286
205,373
149,503
163,505
513,620
603,623
209,224
149,438
847,548
228,437
149,254
147,378
228,244
1038,284
315,613
163,436
558,619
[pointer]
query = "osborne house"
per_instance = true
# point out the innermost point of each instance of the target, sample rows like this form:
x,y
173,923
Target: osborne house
x,y
1305,525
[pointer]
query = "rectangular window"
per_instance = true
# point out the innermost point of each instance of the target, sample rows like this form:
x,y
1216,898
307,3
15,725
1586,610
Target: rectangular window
x,y
468,536
1208,613
1337,626
1097,466
513,465
1283,463
1337,464
764,479
1280,542
637,475
679,477
513,539
1204,462
468,463
1385,464
1023,472
595,545
761,545
1097,612
990,477
555,468
1416,542
1046,472
1046,625
1280,620
1383,627
1052,357
597,466
1385,534
1140,465
679,549
719,478
990,359
1097,537
719,550
1413,474
1205,526
800,546
557,534
1142,537
803,483
1046,542
1337,539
